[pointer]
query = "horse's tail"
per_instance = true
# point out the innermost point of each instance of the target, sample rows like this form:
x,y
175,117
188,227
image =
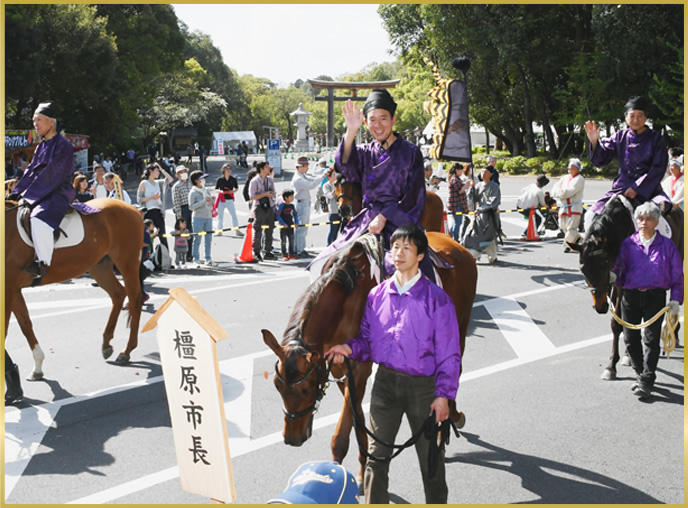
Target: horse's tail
x,y
143,273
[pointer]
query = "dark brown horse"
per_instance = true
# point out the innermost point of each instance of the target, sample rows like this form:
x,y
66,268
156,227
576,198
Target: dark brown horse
x,y
328,313
114,235
350,200
597,256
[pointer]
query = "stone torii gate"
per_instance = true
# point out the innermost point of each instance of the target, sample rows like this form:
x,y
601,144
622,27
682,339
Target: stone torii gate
x,y
330,86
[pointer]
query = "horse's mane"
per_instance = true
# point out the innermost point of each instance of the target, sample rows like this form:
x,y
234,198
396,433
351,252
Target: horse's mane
x,y
610,225
344,272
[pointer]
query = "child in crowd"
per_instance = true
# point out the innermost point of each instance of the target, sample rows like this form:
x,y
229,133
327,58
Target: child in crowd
x,y
146,266
287,217
181,246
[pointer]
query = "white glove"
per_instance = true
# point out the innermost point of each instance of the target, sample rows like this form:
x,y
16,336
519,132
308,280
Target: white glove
x,y
673,307
612,278
149,264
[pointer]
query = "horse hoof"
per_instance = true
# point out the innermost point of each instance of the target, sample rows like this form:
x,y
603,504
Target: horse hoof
x,y
35,376
625,360
122,359
609,375
107,352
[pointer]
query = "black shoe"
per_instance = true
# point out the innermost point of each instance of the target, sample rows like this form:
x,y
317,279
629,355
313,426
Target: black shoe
x,y
37,269
303,254
14,391
269,255
257,256
642,390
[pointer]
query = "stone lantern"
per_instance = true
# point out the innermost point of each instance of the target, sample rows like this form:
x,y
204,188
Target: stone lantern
x,y
301,124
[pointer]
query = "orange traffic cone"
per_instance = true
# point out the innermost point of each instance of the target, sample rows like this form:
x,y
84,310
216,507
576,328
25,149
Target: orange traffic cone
x,y
247,250
531,235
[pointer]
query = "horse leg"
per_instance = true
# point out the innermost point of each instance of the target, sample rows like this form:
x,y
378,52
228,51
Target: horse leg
x,y
104,275
21,312
609,373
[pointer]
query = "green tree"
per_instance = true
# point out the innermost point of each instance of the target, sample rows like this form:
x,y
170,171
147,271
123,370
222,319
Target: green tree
x,y
180,101
52,53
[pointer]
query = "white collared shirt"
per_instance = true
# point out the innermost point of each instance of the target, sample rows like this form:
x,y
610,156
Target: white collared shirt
x,y
406,287
647,242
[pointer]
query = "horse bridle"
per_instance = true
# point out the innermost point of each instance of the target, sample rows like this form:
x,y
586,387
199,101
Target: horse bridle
x,y
322,387
607,287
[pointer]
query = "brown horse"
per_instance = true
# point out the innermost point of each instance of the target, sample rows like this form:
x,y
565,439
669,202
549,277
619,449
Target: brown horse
x,y
350,200
112,236
329,312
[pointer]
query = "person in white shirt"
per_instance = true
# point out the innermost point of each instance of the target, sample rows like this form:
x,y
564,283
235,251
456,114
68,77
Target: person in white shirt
x,y
673,184
533,196
97,183
568,192
302,183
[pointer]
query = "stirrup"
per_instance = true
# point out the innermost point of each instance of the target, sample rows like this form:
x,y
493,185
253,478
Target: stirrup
x,y
37,269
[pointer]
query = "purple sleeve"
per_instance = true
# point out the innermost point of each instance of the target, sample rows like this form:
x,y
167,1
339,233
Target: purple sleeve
x,y
618,266
360,345
410,208
447,350
674,259
648,183
604,152
352,170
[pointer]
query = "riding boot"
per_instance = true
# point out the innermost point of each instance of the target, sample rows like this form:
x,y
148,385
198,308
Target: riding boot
x,y
14,391
37,269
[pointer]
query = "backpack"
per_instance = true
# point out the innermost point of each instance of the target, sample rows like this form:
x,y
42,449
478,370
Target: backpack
x,y
161,258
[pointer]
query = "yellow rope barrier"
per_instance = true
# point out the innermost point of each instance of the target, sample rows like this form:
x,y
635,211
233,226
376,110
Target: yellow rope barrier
x,y
668,331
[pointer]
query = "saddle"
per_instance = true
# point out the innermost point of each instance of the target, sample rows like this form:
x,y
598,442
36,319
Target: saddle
x,y
376,256
69,233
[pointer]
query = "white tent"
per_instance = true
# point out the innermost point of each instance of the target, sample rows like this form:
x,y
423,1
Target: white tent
x,y
231,139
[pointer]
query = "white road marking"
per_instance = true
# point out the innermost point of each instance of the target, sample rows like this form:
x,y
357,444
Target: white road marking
x,y
522,334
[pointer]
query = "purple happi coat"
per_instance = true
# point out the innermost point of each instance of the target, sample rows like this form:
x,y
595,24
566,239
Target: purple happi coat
x,y
392,183
47,182
642,164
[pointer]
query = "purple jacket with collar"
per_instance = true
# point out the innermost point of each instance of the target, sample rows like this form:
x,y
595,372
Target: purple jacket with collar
x,y
660,268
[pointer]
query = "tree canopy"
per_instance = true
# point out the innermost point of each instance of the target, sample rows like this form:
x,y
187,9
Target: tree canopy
x,y
124,73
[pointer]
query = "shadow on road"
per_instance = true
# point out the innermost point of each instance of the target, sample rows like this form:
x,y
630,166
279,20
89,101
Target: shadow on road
x,y
550,481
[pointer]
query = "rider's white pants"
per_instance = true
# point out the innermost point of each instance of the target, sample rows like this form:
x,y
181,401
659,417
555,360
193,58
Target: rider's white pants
x,y
43,243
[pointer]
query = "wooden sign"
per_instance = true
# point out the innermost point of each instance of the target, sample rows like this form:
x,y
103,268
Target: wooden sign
x,y
187,337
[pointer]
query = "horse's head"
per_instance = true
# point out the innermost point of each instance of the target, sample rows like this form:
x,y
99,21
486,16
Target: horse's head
x,y
600,248
344,193
300,379
595,264
328,313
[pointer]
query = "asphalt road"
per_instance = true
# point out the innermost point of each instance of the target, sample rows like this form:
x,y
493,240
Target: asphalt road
x,y
542,427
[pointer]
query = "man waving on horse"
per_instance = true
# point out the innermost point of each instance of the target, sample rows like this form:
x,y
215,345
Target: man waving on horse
x,y
390,171
46,186
641,153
